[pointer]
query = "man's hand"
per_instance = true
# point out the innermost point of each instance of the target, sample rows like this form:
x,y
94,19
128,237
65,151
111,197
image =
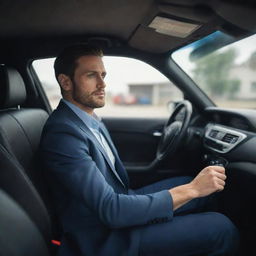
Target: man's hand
x,y
211,179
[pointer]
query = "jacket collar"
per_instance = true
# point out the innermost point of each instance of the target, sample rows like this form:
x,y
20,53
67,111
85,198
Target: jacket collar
x,y
92,121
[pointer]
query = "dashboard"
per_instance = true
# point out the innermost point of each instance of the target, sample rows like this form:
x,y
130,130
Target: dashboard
x,y
229,133
242,119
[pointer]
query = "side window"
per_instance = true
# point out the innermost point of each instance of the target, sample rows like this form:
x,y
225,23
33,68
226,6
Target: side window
x,y
134,88
45,73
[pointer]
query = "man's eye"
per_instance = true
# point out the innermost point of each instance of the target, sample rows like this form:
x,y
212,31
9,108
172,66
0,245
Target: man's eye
x,y
90,74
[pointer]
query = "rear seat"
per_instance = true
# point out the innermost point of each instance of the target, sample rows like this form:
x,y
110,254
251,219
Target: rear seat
x,y
20,131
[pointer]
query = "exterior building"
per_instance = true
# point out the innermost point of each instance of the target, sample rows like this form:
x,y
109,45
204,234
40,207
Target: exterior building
x,y
247,77
155,93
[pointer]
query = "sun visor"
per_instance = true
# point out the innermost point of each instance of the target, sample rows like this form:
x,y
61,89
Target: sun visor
x,y
169,27
147,39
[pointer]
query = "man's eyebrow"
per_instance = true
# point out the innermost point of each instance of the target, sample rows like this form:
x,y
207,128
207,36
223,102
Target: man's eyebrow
x,y
104,73
95,71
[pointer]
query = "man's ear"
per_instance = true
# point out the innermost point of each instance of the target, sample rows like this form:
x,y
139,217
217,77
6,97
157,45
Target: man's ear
x,y
65,82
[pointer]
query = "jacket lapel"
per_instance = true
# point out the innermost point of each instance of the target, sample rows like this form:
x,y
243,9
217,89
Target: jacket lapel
x,y
90,135
118,163
102,150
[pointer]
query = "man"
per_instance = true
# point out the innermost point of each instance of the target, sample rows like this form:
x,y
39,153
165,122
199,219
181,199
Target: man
x,y
99,214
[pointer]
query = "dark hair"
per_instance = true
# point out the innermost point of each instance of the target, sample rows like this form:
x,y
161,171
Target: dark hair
x,y
66,61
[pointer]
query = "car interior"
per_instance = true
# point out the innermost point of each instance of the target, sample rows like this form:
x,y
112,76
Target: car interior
x,y
198,131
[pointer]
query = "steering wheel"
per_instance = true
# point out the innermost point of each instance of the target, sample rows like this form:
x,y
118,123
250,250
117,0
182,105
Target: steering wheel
x,y
175,130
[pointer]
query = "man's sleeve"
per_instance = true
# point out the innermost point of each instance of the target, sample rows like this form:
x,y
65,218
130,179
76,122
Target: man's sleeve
x,y
65,154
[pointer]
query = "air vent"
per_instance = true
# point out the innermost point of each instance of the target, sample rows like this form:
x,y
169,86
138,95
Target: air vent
x,y
230,138
222,139
213,133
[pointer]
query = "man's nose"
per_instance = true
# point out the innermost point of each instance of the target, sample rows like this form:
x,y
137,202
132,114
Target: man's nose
x,y
101,83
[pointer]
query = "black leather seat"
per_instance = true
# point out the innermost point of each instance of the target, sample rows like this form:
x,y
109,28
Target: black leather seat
x,y
19,236
15,183
20,128
20,131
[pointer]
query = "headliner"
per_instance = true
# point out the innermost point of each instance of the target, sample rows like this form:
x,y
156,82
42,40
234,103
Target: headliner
x,y
39,27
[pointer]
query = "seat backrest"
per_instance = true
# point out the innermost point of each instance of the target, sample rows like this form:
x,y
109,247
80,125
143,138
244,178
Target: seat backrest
x,y
15,183
20,128
20,131
19,235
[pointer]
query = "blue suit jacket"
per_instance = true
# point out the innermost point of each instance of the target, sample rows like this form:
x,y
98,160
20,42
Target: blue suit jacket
x,y
99,214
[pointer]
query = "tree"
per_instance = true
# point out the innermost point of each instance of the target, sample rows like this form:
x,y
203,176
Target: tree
x,y
252,61
213,71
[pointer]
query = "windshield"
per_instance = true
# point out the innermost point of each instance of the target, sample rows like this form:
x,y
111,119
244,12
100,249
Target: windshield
x,y
224,69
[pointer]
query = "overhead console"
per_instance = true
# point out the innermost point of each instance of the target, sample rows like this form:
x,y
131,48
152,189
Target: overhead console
x,y
222,139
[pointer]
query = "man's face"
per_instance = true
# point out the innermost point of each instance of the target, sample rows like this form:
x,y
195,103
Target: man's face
x,y
88,83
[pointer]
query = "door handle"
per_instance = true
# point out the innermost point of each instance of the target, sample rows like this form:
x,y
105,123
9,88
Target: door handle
x,y
157,134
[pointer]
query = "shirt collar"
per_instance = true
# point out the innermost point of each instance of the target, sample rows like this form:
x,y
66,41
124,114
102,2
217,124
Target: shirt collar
x,y
93,122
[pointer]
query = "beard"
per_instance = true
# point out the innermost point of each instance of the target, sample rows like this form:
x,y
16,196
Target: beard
x,y
88,99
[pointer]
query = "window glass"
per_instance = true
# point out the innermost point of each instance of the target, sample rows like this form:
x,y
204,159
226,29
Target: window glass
x,y
224,68
134,89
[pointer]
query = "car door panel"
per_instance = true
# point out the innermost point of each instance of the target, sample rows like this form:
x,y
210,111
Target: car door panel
x,y
136,139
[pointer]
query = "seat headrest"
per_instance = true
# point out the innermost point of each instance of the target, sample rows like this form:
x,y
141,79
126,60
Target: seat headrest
x,y
12,88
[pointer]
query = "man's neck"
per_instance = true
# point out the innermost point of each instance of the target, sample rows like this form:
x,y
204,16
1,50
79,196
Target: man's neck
x,y
89,111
